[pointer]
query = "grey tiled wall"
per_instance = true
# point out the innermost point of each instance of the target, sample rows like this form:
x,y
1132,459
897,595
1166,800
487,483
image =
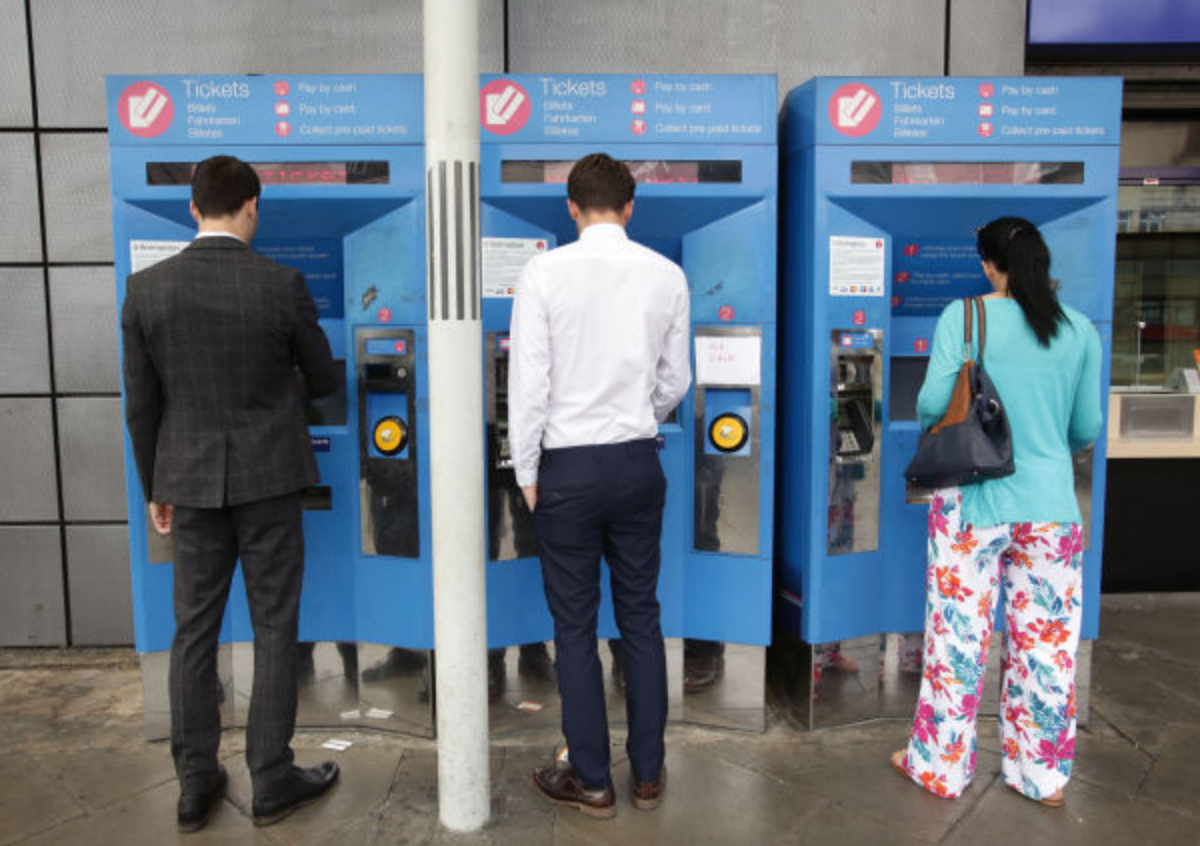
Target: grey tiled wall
x,y
64,575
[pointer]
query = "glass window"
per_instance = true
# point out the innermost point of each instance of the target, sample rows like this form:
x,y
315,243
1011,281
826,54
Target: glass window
x,y
1157,297
1156,303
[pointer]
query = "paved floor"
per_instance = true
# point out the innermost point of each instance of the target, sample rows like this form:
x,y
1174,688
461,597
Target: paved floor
x,y
75,769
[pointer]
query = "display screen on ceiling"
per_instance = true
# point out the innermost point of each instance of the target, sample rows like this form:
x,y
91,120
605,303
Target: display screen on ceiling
x,y
1113,22
966,173
1113,29
283,173
646,172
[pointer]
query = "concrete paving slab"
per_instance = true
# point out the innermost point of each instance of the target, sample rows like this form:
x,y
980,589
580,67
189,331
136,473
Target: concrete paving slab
x,y
873,789
708,801
95,777
785,754
33,799
409,814
361,789
1091,817
1174,778
76,770
1161,623
1110,761
149,818
834,823
55,708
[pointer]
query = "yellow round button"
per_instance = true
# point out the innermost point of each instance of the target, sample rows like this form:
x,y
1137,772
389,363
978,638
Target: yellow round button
x,y
390,435
728,432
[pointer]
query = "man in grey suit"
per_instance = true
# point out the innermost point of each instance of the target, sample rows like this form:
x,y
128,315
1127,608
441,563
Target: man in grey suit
x,y
216,340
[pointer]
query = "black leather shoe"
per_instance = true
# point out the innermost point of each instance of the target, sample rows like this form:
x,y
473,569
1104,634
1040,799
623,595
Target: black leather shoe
x,y
304,786
497,675
195,809
561,786
535,663
702,673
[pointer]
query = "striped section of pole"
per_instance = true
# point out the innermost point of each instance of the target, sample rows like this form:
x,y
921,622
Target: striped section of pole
x,y
456,437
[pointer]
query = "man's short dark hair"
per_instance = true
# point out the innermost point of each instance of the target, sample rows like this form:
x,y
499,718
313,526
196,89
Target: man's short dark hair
x,y
599,183
221,185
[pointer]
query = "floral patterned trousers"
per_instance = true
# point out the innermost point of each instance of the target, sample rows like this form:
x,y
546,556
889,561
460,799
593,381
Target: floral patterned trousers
x,y
1039,567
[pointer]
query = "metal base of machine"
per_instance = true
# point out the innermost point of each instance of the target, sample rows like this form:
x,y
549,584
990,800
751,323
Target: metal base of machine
x,y
385,688
878,677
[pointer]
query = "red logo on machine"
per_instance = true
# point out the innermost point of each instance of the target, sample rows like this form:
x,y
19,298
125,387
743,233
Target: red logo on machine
x,y
986,90
921,345
504,107
860,317
385,315
283,129
282,88
725,313
985,129
145,109
638,87
638,127
902,276
911,250
854,109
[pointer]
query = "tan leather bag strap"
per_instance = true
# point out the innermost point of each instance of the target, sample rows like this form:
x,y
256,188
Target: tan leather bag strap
x,y
978,301
960,399
968,306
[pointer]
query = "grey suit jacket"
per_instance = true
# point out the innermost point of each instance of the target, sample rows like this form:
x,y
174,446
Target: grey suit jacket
x,y
212,338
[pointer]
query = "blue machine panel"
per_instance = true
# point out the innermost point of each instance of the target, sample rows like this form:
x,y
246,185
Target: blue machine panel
x,y
342,167
703,151
886,182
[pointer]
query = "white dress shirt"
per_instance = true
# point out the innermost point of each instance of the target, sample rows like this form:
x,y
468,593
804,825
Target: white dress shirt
x,y
213,233
599,346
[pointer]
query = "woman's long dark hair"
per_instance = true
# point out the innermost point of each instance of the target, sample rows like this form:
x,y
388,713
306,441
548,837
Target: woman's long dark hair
x,y
1014,246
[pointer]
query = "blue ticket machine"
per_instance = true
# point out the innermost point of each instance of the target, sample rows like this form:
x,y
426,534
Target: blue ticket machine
x,y
703,150
342,163
887,180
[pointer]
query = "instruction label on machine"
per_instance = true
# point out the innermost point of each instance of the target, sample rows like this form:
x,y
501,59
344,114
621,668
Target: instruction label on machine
x,y
856,266
143,253
729,360
503,261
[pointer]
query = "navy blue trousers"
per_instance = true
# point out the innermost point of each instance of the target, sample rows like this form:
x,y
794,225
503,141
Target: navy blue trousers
x,y
605,501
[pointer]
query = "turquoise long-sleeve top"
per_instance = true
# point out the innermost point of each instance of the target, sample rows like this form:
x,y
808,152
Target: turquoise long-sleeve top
x,y
1053,398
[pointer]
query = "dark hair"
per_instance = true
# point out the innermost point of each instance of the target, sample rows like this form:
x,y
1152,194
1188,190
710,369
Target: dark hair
x,y
1014,246
598,182
221,185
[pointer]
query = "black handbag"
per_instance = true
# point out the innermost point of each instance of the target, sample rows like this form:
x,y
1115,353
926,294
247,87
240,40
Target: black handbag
x,y
972,441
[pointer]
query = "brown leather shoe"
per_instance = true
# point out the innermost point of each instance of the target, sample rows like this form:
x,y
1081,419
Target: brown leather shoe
x,y
561,786
648,795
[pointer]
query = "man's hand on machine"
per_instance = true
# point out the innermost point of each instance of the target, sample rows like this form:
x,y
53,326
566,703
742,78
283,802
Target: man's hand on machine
x,y
161,516
530,492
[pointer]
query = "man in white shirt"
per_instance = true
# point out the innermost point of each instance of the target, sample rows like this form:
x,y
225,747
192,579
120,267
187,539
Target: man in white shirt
x,y
599,358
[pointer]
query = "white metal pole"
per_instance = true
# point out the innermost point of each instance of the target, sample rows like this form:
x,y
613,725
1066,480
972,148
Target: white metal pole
x,y
456,409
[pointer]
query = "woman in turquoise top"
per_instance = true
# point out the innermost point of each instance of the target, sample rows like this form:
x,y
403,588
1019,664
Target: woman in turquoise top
x,y
1021,532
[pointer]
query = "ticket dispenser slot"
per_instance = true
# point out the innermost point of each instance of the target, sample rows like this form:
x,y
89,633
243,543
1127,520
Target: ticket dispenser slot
x,y
510,525
856,395
387,453
727,455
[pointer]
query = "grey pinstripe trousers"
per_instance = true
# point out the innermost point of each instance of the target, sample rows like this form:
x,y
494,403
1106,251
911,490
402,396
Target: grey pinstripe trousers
x,y
267,536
